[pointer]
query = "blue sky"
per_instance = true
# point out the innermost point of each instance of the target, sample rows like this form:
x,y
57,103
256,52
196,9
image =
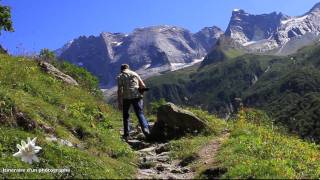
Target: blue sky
x,y
51,23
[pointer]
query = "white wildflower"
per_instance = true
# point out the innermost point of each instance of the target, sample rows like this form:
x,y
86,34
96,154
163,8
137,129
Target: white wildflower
x,y
27,151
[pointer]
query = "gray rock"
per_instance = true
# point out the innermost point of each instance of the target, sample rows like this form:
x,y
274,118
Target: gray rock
x,y
149,149
65,143
50,69
137,145
163,154
162,148
174,122
163,159
62,142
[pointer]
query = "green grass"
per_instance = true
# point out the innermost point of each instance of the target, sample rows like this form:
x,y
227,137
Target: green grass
x,y
75,113
257,149
189,146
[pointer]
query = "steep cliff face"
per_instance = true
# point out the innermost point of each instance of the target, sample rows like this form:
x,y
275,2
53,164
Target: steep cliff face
x,y
275,31
246,28
149,50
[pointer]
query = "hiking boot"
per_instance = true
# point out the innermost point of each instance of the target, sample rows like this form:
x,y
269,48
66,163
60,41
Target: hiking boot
x,y
146,131
126,138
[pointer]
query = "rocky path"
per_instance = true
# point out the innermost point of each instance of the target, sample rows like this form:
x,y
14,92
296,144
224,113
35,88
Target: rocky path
x,y
155,163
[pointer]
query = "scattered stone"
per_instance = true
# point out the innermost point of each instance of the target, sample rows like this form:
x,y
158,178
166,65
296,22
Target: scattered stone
x,y
65,143
137,145
163,154
148,149
173,122
160,168
59,141
163,159
147,165
50,69
25,122
52,139
176,171
185,170
80,146
172,177
162,148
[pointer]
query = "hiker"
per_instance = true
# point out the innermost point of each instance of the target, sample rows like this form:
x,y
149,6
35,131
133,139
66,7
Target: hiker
x,y
130,92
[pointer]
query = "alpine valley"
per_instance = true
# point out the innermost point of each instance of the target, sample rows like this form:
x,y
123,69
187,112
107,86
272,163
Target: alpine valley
x,y
262,59
246,63
243,103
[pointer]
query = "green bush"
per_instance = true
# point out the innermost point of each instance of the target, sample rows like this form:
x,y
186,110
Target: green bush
x,y
82,76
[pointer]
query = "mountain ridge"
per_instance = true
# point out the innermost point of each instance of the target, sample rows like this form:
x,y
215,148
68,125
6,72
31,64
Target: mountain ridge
x,y
156,49
273,32
153,49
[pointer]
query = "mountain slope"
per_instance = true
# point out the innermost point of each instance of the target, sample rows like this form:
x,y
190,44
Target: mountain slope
x,y
75,129
286,87
79,132
148,50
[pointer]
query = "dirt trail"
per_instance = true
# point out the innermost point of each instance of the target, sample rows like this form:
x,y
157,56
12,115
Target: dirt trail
x,y
208,152
155,163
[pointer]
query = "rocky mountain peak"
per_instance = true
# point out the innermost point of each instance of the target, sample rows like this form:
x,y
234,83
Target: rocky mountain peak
x,y
208,36
315,8
245,27
148,50
238,12
274,31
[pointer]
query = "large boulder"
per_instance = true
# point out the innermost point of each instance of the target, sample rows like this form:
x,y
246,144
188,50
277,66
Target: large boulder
x,y
50,69
174,122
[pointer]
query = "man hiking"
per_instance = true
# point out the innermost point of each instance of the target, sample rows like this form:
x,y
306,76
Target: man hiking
x,y
130,92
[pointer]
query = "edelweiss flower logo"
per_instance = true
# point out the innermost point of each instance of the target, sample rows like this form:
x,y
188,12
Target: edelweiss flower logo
x,y
27,151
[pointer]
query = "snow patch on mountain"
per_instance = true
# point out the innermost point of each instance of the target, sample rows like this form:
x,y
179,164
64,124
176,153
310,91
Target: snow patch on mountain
x,y
294,20
267,32
148,50
177,66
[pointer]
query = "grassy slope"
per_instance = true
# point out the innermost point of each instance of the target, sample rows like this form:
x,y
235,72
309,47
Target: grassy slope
x,y
188,147
76,116
255,149
288,88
